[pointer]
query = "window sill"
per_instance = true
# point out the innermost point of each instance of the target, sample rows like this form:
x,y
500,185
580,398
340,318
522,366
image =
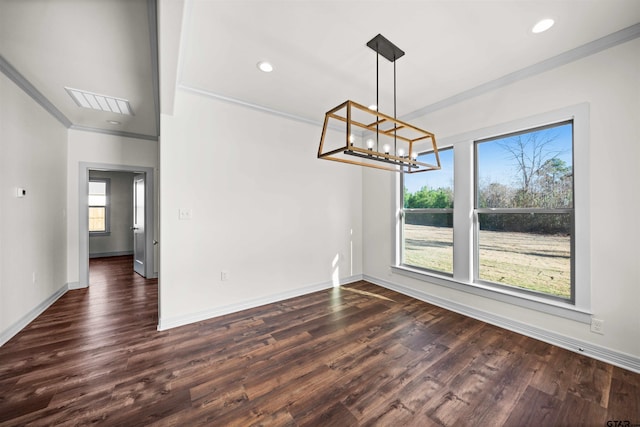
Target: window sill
x,y
555,308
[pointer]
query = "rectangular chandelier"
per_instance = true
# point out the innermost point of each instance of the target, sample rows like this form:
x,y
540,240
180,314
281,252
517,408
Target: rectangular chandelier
x,y
374,139
358,135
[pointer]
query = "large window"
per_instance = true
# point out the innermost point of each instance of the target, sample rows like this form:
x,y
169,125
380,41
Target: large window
x,y
524,211
98,206
427,227
520,230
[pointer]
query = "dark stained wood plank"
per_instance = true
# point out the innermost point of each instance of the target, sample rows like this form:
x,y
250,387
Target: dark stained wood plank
x,y
576,411
624,400
349,356
12,409
335,415
556,376
592,381
534,408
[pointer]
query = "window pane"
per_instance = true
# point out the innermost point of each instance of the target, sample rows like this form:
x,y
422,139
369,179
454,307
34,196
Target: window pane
x,y
527,170
97,200
526,250
428,237
97,219
428,241
97,193
98,187
433,189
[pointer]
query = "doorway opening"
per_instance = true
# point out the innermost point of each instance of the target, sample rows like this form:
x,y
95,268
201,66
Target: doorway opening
x,y
131,233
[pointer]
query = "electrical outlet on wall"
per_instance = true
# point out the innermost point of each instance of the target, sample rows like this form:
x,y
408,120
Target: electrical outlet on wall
x,y
597,326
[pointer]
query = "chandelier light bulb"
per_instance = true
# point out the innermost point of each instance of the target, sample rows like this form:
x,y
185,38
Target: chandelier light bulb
x,y
414,155
369,143
386,148
400,152
351,139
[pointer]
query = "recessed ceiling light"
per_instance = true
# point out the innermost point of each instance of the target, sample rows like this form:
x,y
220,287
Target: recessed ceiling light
x,y
542,25
113,122
265,66
100,102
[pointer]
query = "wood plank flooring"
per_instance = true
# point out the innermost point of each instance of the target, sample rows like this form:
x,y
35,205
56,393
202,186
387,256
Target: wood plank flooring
x,y
350,356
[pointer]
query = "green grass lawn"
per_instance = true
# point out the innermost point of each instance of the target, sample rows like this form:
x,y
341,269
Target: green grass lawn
x,y
536,262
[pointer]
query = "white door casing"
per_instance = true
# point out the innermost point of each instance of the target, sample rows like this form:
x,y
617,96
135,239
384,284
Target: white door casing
x,y
83,219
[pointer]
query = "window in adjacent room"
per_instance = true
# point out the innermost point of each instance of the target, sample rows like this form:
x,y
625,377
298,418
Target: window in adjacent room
x,y
427,227
98,206
524,208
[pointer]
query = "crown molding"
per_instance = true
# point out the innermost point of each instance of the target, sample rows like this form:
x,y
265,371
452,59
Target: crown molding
x,y
24,84
114,132
593,47
247,104
598,45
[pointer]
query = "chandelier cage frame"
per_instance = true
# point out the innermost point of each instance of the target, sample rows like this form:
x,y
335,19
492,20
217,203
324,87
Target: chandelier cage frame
x,y
374,139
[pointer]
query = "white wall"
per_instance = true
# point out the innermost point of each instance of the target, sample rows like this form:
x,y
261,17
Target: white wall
x,y
32,229
120,239
93,147
609,81
264,209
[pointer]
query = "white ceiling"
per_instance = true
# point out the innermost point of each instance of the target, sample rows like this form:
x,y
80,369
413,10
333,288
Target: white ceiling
x,y
318,49
101,46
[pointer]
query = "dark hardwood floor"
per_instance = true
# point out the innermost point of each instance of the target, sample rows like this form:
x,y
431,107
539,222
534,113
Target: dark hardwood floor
x,y
349,356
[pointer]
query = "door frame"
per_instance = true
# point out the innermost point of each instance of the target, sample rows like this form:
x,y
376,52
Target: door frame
x,y
136,178
83,219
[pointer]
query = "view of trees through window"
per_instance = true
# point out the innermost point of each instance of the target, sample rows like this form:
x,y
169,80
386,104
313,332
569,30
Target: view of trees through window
x,y
523,210
524,206
428,217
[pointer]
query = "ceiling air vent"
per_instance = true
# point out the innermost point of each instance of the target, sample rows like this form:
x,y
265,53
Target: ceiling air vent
x,y
99,102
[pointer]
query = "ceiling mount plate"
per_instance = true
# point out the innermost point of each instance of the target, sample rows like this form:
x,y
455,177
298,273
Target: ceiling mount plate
x,y
385,48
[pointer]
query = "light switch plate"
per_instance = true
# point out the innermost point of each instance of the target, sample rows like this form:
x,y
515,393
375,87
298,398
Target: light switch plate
x,y
185,214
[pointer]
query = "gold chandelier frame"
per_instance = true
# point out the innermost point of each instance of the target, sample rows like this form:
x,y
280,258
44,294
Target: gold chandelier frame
x,y
374,139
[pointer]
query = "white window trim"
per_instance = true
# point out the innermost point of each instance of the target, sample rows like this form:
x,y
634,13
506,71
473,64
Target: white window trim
x,y
463,225
107,213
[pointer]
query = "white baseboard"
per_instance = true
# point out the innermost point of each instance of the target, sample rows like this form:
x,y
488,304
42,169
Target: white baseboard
x,y
75,285
10,332
174,322
109,254
623,360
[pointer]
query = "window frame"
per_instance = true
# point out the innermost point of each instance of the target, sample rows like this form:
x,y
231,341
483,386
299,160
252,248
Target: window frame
x,y
478,211
464,218
107,207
